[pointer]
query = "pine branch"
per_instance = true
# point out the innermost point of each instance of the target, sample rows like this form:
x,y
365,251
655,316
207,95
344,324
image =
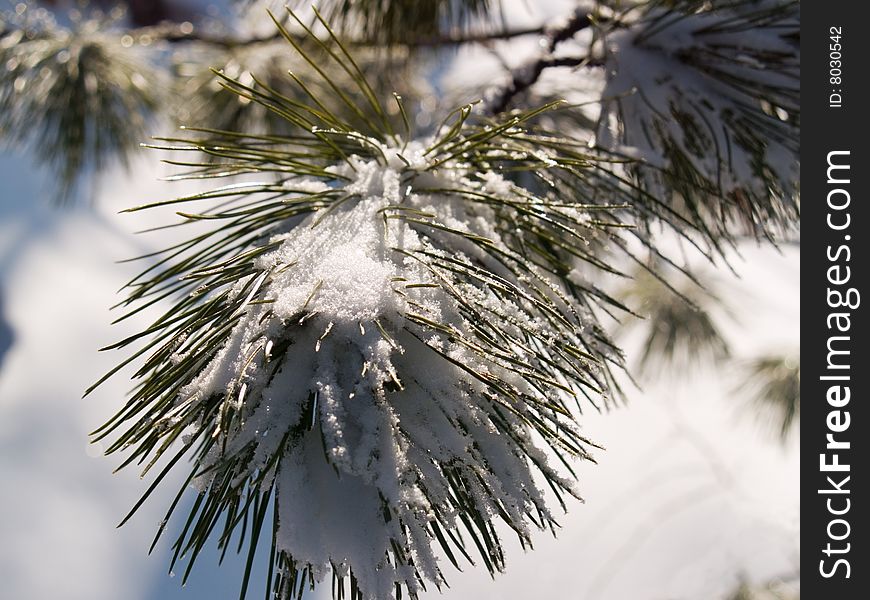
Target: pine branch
x,y
700,126
378,316
710,122
459,39
526,77
681,331
773,382
79,99
27,116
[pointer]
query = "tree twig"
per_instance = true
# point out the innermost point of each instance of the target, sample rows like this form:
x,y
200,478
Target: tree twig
x,y
183,32
476,38
525,76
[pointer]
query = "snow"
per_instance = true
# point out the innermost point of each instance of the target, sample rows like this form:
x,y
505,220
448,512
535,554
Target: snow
x,y
691,493
373,416
667,83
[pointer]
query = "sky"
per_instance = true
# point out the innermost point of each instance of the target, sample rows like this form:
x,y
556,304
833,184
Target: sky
x,y
690,495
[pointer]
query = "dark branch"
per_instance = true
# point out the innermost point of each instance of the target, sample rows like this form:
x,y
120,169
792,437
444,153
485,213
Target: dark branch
x,y
180,33
176,33
578,22
475,38
526,76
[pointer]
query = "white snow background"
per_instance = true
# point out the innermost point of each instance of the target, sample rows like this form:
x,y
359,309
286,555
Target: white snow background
x,y
689,496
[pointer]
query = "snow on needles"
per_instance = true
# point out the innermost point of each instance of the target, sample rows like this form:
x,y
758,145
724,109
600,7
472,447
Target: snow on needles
x,y
353,384
711,97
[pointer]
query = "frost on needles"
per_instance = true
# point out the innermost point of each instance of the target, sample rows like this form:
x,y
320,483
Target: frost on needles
x,y
386,340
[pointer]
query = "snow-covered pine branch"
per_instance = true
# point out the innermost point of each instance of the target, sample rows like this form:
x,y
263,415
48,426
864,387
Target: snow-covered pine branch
x,y
706,97
380,336
388,331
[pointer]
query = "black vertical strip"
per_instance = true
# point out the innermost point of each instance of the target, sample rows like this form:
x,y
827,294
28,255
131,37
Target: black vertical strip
x,y
835,170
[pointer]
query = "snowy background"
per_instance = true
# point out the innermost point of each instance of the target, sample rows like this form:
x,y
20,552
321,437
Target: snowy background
x,y
690,496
